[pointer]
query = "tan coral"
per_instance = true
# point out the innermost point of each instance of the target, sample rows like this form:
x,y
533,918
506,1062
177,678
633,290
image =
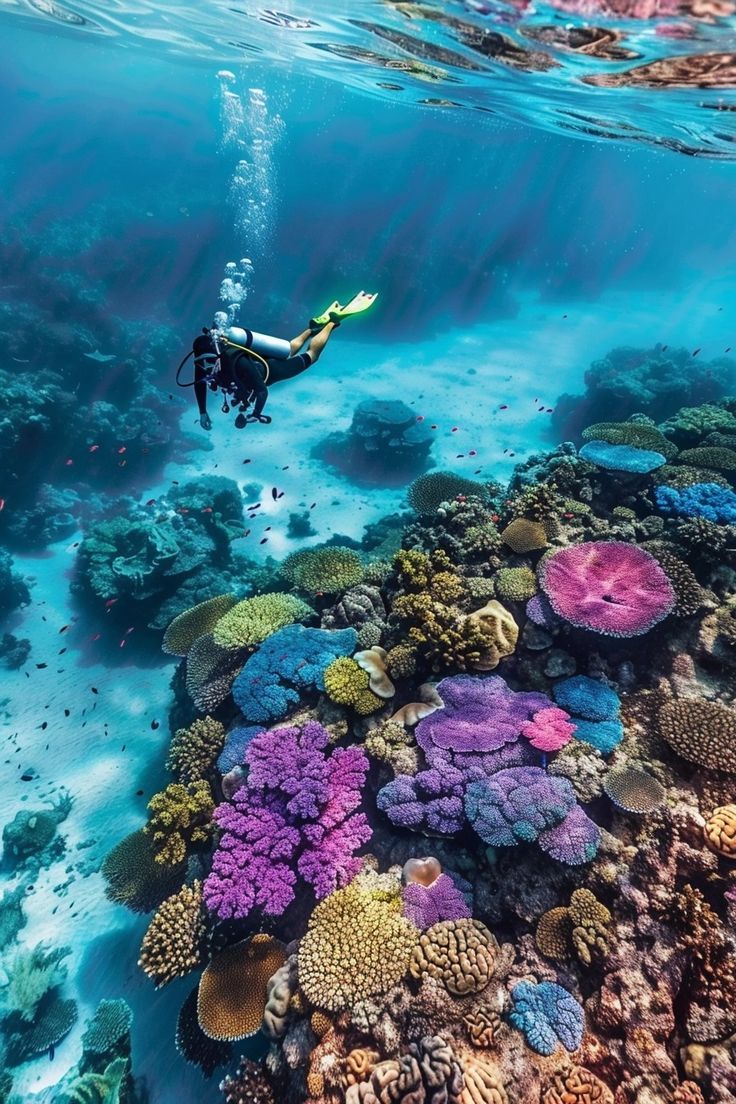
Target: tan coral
x,y
720,831
482,1023
320,1023
701,732
193,750
553,933
280,990
172,945
482,1083
590,921
688,1093
373,660
523,535
575,1085
459,953
359,1065
500,635
232,990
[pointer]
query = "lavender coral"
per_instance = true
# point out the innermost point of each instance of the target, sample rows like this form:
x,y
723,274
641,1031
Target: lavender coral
x,y
608,587
478,715
426,905
294,817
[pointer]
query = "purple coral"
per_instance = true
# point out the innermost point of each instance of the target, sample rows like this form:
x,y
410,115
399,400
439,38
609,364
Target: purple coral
x,y
478,715
431,800
293,817
524,804
549,729
428,905
608,587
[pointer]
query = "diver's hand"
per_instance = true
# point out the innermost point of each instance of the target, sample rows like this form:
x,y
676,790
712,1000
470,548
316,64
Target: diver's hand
x,y
205,422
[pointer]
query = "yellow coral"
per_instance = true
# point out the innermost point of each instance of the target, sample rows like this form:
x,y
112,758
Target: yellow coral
x,y
357,945
180,815
195,622
252,620
172,945
523,535
323,570
193,750
233,989
516,584
348,684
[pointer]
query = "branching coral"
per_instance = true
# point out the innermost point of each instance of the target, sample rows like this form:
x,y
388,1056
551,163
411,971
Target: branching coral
x,y
608,587
251,621
173,944
515,584
293,818
193,750
180,819
233,988
357,944
134,877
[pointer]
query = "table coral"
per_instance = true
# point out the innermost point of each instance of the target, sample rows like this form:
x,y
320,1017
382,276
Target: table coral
x,y
634,791
293,659
193,750
180,817
621,458
548,1015
195,622
323,570
357,944
477,714
523,535
459,953
251,621
607,587
636,434
173,943
294,817
720,831
232,990
700,731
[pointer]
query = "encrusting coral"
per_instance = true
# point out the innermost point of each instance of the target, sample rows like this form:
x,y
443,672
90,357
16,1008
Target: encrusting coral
x,y
233,988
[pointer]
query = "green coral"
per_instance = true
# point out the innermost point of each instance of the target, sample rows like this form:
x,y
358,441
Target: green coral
x,y
323,570
251,621
347,684
680,477
691,423
31,975
636,434
193,750
390,742
719,459
427,493
434,573
108,1028
98,1088
195,622
134,878
180,818
515,584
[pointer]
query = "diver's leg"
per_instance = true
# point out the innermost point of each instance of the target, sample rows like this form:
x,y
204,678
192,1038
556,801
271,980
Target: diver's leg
x,y
319,341
250,378
297,342
279,370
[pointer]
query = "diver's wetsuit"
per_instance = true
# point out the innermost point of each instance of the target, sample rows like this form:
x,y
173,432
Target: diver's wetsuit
x,y
245,371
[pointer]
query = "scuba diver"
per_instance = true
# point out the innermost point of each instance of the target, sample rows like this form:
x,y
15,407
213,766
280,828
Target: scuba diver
x,y
244,364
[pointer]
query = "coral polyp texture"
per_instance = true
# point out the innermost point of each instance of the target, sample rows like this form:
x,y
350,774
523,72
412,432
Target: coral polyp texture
x,y
457,824
607,587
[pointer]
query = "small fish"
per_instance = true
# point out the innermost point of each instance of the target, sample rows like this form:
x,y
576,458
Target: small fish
x,y
274,493
154,725
246,532
93,448
67,712
460,456
130,630
52,1052
263,541
696,351
247,461
285,467
40,666
267,529
2,505
63,629
477,471
281,494
150,502
61,651
206,509
123,747
550,410
26,778
433,427
44,725
122,643
95,637
728,350
139,793
505,407
313,505
564,316
472,452
69,463
94,690
110,602
454,429
420,417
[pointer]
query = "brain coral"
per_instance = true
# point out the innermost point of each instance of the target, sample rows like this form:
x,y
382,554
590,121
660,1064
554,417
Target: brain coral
x,y
459,953
172,945
700,731
232,990
324,570
575,1085
358,944
252,620
548,1015
720,831
635,791
607,587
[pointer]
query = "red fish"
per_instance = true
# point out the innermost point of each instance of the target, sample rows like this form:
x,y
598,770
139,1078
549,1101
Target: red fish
x,y
2,505
93,448
420,417
206,509
69,463
121,450
110,602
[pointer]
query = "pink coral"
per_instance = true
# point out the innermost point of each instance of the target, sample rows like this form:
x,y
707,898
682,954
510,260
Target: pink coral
x,y
607,586
549,729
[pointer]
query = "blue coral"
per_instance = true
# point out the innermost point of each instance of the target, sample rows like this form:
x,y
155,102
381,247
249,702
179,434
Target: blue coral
x,y
588,698
292,659
548,1015
621,458
706,500
603,735
517,805
236,742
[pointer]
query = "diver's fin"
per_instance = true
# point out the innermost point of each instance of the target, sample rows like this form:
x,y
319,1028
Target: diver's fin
x,y
321,320
359,303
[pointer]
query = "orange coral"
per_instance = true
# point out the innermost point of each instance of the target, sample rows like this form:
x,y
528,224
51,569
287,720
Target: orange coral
x,y
232,989
720,831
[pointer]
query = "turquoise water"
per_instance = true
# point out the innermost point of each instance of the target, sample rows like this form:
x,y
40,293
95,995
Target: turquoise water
x,y
541,198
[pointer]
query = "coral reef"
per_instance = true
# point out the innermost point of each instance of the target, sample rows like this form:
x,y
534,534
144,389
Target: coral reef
x,y
385,446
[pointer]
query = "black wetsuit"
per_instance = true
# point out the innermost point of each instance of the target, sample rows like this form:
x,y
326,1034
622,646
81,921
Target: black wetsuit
x,y
247,373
